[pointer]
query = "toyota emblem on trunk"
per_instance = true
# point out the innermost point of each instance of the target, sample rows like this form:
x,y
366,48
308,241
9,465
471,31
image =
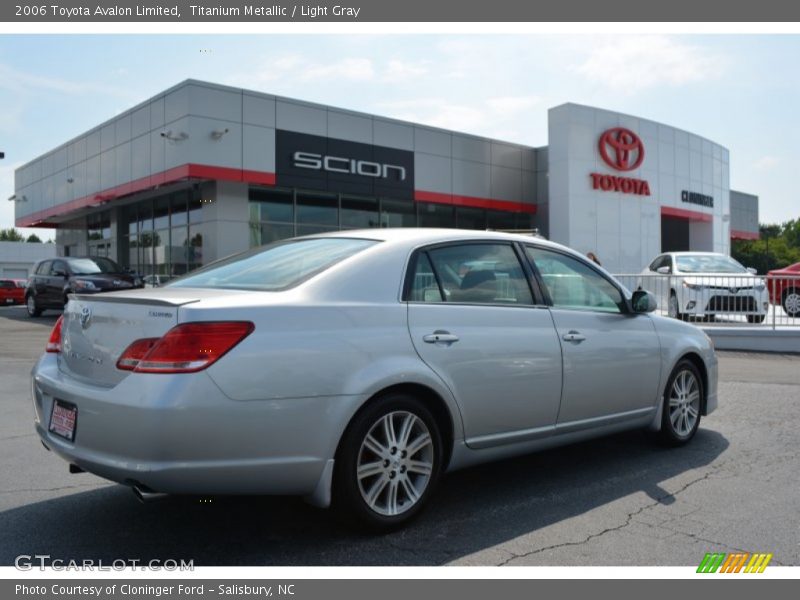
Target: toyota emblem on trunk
x,y
86,317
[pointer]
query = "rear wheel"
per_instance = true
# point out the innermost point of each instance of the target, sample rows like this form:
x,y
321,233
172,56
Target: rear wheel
x,y
32,307
388,463
682,403
791,302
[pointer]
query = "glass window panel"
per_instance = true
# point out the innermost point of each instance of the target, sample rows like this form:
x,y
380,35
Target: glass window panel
x,y
178,250
195,257
319,209
481,274
573,284
161,213
424,287
273,232
436,215
271,205
195,210
178,208
277,266
470,218
145,215
396,213
161,252
496,219
359,212
314,229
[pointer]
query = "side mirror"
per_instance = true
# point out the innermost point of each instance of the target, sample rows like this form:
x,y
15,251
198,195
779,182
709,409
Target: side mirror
x,y
59,273
643,301
751,270
664,270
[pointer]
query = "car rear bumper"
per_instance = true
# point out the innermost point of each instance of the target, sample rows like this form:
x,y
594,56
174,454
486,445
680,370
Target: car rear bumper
x,y
181,435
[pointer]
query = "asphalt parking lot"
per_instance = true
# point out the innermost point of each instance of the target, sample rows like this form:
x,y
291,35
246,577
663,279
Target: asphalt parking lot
x,y
616,501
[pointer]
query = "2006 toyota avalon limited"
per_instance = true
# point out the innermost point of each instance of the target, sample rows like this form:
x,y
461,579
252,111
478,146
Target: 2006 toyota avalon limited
x,y
356,367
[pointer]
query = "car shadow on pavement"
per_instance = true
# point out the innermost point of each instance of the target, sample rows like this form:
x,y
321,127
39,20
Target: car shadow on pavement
x,y
473,510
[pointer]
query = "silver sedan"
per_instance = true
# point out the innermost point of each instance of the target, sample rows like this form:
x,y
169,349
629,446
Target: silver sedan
x,y
355,368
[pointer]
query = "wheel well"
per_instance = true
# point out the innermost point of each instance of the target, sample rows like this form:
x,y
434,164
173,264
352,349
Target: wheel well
x,y
701,367
432,400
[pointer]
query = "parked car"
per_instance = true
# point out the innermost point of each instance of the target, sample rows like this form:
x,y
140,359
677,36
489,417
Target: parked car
x,y
11,292
705,284
156,280
356,367
54,279
784,288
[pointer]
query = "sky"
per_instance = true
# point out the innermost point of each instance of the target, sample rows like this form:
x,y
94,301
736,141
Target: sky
x,y
741,91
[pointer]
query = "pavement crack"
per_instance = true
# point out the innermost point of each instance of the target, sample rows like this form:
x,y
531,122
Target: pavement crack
x,y
16,437
628,520
55,489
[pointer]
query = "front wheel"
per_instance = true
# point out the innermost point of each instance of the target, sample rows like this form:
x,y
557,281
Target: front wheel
x,y
388,463
756,318
791,302
32,307
682,402
673,309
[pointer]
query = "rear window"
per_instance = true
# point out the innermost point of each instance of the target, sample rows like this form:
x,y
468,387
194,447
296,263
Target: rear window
x,y
275,267
5,283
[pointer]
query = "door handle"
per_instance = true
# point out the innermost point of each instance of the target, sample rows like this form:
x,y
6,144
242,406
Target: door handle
x,y
573,336
440,337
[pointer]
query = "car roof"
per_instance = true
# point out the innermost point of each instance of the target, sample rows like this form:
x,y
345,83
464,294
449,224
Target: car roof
x,y
689,253
416,236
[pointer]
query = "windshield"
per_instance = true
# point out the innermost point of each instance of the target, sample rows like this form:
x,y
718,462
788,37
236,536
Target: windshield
x,y
275,267
708,263
92,266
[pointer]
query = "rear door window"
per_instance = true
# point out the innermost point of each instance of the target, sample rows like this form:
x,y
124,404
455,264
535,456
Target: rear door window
x,y
475,273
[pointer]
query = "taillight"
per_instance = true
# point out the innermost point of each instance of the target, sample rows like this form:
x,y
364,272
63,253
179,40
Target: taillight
x,y
186,348
135,353
54,343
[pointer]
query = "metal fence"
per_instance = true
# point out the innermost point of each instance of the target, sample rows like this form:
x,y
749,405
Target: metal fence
x,y
738,299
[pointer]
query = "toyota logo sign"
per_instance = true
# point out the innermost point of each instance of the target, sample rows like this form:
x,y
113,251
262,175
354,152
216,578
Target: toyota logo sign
x,y
621,149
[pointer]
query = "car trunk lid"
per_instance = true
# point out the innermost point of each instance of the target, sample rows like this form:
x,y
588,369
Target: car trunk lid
x,y
98,328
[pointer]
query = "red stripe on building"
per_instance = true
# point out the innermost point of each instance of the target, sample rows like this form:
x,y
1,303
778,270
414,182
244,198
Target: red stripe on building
x,y
183,172
744,235
682,213
474,202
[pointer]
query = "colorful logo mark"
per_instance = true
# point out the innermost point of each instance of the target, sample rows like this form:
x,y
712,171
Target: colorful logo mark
x,y
738,562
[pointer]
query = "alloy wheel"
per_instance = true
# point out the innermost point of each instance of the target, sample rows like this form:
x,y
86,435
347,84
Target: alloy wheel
x,y
791,303
684,402
395,463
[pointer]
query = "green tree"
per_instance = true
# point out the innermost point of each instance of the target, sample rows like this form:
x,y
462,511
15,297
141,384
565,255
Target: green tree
x,y
11,235
778,247
33,239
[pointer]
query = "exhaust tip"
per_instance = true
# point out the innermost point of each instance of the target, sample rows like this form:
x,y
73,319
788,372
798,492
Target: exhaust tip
x,y
145,495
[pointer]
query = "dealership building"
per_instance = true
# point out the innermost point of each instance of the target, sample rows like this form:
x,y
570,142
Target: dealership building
x,y
201,171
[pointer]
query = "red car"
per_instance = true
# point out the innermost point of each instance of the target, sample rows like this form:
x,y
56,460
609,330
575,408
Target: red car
x,y
12,292
784,288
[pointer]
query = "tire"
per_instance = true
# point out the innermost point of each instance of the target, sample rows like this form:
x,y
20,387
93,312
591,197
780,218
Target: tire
x,y
756,318
32,306
672,309
791,302
376,483
682,402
